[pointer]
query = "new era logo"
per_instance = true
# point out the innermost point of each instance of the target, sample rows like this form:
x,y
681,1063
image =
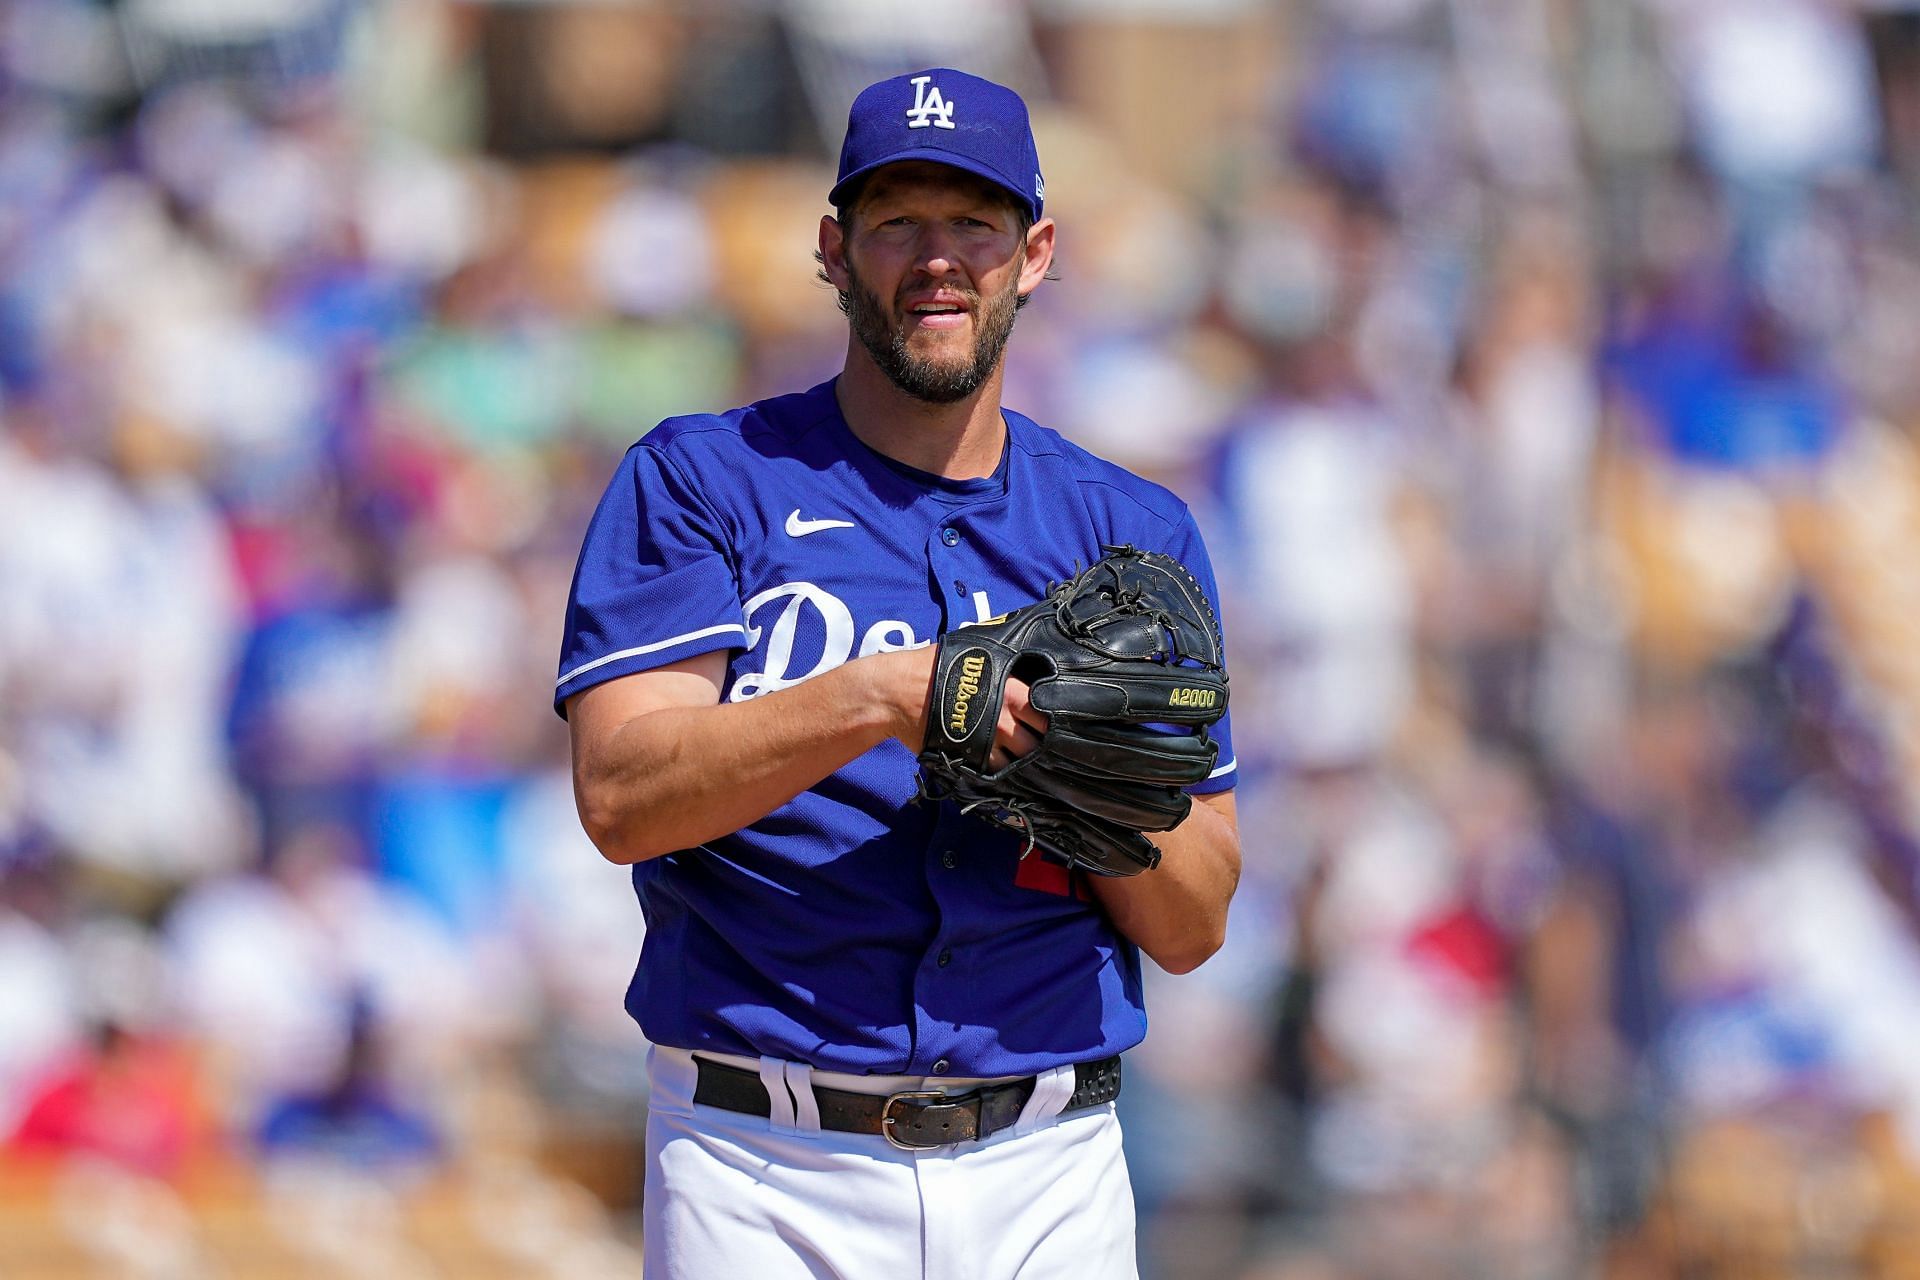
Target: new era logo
x,y
928,108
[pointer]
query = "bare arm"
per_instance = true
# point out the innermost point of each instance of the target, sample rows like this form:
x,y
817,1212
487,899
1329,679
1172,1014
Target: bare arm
x,y
1177,913
660,763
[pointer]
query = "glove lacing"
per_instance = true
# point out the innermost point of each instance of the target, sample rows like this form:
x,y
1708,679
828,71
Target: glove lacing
x,y
1013,809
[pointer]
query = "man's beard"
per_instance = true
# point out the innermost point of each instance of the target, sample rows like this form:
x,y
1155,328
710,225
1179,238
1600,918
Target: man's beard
x,y
919,377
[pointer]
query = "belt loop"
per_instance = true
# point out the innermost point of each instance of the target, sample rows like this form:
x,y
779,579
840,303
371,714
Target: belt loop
x,y
806,1107
674,1077
773,1077
1051,1090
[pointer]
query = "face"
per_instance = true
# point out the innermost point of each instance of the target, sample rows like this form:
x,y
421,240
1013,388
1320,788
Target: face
x,y
932,263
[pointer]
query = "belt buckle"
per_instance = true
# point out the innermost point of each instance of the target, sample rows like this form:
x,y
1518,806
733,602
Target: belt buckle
x,y
888,1119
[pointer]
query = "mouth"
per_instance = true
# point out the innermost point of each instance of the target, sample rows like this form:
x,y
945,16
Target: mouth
x,y
938,313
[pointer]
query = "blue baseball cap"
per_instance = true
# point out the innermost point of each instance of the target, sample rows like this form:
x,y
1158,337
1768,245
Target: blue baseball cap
x,y
948,117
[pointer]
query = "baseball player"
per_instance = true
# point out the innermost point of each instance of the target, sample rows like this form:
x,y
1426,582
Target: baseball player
x,y
886,1043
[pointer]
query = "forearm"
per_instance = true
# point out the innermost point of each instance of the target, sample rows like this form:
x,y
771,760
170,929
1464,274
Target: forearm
x,y
678,776
1177,912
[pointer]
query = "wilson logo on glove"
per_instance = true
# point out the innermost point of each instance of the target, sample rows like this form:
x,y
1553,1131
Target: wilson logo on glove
x,y
972,666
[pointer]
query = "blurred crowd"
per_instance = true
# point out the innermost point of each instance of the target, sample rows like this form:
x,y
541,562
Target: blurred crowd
x,y
1546,376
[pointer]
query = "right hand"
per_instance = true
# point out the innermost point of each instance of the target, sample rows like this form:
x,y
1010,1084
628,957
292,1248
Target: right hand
x,y
1020,726
906,677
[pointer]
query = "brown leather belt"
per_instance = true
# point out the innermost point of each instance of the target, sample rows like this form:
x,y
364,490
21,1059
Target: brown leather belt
x,y
913,1119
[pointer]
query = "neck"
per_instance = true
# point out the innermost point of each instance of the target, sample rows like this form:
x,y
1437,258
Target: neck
x,y
962,440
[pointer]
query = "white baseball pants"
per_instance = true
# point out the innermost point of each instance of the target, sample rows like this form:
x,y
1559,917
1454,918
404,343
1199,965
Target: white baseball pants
x,y
739,1197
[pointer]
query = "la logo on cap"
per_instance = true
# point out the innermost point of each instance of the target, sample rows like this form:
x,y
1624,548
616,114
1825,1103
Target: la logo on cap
x,y
928,108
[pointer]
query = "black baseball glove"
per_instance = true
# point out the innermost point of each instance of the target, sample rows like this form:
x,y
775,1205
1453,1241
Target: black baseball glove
x,y
1125,660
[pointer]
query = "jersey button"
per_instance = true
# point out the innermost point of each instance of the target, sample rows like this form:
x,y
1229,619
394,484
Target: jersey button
x,y
950,536
940,1067
946,859
946,957
960,588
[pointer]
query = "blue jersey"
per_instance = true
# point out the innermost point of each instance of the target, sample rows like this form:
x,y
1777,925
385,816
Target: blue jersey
x,y
852,928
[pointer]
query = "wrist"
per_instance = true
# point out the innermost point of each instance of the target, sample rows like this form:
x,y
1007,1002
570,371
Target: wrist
x,y
905,680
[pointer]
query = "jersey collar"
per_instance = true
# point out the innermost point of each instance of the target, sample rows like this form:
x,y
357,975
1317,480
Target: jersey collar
x,y
891,476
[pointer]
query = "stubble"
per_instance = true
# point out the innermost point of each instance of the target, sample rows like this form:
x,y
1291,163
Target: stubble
x,y
930,380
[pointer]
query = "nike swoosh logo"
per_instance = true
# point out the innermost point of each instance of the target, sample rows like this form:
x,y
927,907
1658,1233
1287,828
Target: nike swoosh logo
x,y
798,528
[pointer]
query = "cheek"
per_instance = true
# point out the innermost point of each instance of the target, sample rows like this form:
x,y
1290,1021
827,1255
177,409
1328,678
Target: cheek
x,y
995,269
1001,279
878,260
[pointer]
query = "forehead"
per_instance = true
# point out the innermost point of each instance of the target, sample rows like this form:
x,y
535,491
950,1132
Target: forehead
x,y
927,179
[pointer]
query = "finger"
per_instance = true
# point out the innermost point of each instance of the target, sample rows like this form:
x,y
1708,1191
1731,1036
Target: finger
x,y
1022,740
1020,703
1014,737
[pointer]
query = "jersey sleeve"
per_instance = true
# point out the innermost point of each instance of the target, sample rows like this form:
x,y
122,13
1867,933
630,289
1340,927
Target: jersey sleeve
x,y
1186,546
654,583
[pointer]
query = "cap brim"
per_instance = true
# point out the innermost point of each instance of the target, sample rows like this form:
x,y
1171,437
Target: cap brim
x,y
841,188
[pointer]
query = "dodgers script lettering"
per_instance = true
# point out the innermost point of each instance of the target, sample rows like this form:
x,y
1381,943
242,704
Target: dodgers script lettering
x,y
793,603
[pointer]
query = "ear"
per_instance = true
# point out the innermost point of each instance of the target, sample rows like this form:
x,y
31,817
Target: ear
x,y
1038,258
833,252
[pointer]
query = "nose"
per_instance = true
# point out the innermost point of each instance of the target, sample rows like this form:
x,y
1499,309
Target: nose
x,y
935,253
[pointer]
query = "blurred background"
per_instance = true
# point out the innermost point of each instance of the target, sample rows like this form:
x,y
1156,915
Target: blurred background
x,y
1546,375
